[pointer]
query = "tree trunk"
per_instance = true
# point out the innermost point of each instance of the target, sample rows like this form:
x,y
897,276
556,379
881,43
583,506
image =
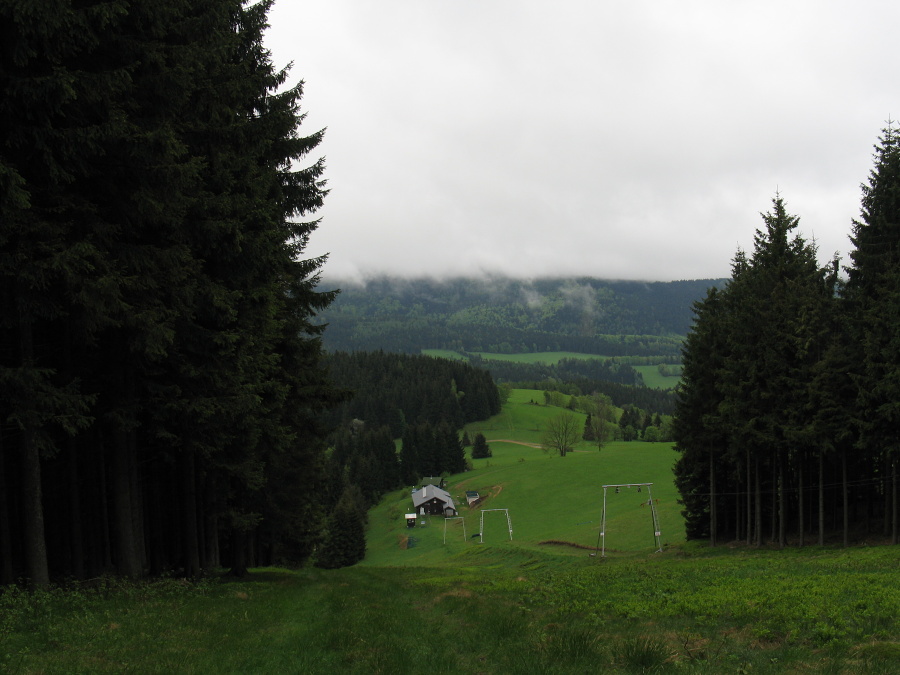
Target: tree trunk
x,y
821,498
76,547
893,501
713,516
154,525
127,558
36,568
6,560
253,548
801,520
758,505
137,503
106,521
845,499
748,483
95,524
773,506
211,556
782,534
238,553
886,493
189,514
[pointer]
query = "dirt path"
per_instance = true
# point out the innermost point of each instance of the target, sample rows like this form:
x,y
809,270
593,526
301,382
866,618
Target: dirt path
x,y
506,440
530,445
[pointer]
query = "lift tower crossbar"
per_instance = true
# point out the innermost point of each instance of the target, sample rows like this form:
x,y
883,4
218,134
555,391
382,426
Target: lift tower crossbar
x,y
653,514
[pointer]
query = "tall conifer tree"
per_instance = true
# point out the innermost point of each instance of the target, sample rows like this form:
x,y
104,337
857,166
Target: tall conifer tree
x,y
748,377
872,296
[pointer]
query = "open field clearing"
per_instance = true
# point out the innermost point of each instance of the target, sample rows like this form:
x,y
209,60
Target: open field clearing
x,y
654,380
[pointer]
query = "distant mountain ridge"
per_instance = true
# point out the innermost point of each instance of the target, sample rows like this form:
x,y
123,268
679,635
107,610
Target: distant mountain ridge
x,y
502,314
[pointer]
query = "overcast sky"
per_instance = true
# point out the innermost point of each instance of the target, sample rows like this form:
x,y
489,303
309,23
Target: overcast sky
x,y
637,139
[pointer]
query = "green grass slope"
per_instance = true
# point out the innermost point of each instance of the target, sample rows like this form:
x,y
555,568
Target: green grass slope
x,y
494,611
548,497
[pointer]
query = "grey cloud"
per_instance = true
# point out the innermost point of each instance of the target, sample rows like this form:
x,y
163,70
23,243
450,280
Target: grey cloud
x,y
635,140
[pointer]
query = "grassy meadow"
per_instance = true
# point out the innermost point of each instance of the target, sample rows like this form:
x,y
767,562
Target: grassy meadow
x,y
654,380
522,606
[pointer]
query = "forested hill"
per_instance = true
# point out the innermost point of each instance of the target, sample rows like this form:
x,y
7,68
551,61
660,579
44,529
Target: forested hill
x,y
512,315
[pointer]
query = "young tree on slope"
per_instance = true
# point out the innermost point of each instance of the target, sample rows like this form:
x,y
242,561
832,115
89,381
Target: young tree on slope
x,y
480,448
560,433
345,538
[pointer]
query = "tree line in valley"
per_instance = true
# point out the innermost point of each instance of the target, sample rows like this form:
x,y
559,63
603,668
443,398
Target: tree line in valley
x,y
422,401
652,401
608,370
397,390
786,419
500,315
364,464
161,385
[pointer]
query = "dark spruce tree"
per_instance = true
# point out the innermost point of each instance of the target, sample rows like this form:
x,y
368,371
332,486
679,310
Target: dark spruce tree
x,y
871,296
345,537
452,454
746,403
480,448
59,107
833,397
699,433
588,433
409,456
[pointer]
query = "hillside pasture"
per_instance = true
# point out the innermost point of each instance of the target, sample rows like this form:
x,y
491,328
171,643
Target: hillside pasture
x,y
549,498
655,380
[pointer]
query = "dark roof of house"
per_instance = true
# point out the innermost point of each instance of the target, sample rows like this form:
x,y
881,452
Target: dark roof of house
x,y
429,492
